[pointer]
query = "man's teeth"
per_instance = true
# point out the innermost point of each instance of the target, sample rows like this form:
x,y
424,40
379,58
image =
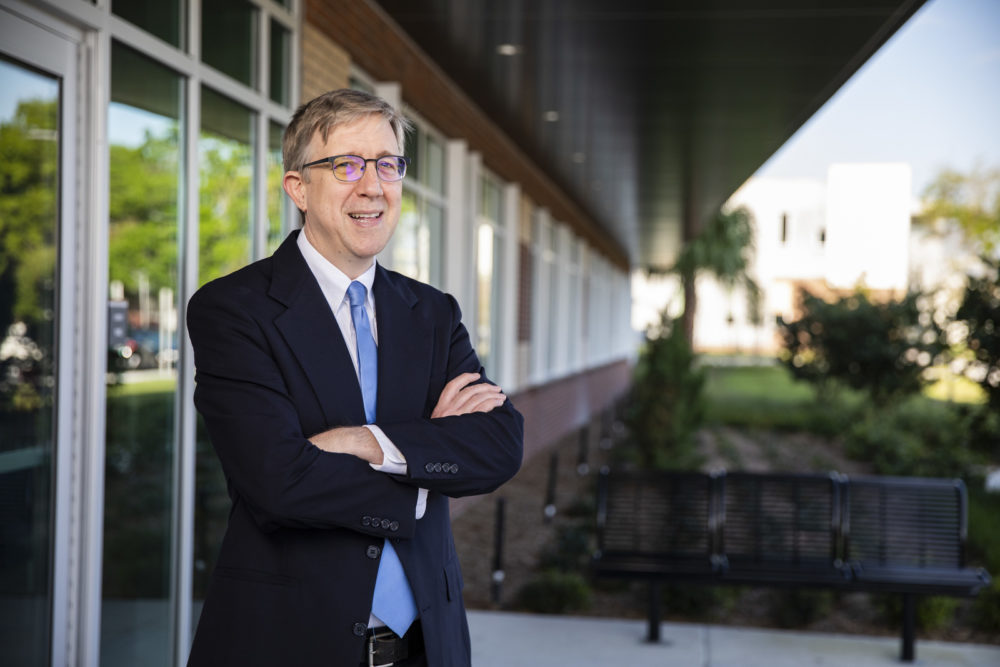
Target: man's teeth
x,y
364,215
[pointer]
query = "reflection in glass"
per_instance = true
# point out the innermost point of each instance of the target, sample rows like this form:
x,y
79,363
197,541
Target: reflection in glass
x,y
141,436
277,210
226,174
281,40
236,53
408,255
29,220
225,231
160,17
487,278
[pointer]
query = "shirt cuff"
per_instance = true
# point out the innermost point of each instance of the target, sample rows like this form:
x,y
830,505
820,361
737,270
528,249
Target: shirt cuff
x,y
394,463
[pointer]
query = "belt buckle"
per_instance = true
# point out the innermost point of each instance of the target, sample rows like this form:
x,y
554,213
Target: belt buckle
x,y
377,633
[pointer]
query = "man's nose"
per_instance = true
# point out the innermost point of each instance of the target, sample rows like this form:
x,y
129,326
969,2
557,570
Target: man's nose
x,y
369,182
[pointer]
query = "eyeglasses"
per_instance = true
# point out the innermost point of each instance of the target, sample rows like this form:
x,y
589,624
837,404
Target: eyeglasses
x,y
350,168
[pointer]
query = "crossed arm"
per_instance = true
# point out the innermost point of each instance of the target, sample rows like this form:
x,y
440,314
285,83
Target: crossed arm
x,y
459,397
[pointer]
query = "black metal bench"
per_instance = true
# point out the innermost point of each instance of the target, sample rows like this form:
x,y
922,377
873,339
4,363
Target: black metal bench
x,y
879,534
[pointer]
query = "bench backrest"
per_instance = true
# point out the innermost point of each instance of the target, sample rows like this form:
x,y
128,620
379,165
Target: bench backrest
x,y
656,514
748,519
781,519
908,522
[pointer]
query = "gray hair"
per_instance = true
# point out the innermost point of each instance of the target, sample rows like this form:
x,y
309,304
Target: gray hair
x,y
328,111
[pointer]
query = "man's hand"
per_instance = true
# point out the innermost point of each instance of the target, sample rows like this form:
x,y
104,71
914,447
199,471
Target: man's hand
x,y
354,440
460,397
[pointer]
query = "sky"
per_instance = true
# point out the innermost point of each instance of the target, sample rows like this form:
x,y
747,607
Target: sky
x,y
929,97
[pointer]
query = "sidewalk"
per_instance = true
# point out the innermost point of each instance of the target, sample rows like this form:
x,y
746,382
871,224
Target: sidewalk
x,y
503,639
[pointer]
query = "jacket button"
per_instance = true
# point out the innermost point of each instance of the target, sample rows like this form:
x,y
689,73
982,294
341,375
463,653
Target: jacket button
x,y
366,521
375,521
373,551
360,629
429,467
394,526
385,524
453,468
437,467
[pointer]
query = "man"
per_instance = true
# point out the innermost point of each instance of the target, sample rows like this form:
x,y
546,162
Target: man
x,y
346,404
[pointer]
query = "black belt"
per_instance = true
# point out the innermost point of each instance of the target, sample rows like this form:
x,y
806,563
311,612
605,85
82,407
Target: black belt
x,y
384,647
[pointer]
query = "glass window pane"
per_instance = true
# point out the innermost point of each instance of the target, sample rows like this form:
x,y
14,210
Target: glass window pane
x,y
229,38
226,174
413,150
225,214
159,17
144,132
407,255
435,165
434,223
281,41
277,208
29,220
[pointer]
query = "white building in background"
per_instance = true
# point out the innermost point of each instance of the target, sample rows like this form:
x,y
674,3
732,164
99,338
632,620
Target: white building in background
x,y
851,231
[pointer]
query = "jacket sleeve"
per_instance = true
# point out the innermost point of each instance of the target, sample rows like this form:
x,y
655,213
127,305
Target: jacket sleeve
x,y
255,428
466,454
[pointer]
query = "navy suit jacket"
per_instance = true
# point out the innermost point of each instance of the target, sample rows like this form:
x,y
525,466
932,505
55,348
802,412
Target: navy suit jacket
x,y
295,575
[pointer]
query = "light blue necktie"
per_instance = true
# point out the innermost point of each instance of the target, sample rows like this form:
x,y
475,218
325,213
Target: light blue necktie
x,y
393,602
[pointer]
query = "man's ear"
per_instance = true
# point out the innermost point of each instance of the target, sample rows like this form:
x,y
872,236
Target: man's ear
x,y
295,188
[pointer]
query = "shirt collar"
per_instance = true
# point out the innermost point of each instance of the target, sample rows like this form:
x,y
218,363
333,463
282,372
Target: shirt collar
x,y
332,281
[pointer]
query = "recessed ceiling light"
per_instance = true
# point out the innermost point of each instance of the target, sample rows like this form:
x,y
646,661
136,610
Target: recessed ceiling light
x,y
551,116
509,49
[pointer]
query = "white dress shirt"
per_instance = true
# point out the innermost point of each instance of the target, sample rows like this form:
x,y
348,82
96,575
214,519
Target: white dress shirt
x,y
333,282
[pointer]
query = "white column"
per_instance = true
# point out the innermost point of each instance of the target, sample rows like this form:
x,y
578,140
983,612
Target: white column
x,y
455,260
507,330
539,303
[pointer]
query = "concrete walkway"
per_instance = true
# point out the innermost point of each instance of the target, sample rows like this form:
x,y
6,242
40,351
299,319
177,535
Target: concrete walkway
x,y
503,639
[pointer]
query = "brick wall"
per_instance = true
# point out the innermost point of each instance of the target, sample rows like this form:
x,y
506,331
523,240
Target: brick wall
x,y
325,66
555,409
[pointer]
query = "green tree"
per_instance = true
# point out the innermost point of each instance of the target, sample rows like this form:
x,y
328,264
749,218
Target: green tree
x,y
971,202
28,176
880,348
143,212
724,248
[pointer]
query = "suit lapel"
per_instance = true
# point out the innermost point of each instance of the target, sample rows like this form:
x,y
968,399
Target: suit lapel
x,y
404,349
313,337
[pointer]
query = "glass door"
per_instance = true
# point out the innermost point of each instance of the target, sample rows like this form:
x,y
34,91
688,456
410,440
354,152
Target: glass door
x,y
30,146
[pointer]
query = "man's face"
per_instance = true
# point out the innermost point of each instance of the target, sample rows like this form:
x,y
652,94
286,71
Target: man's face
x,y
349,223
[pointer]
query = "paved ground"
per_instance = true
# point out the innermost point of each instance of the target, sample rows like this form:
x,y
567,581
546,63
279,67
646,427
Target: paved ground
x,y
505,639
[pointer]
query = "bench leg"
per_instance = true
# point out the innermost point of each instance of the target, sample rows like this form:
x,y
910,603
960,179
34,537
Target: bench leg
x,y
654,612
909,623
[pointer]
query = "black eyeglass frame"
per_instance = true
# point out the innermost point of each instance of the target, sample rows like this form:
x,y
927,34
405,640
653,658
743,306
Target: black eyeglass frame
x,y
365,161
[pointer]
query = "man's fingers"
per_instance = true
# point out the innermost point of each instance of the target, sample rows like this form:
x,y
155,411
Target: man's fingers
x,y
459,397
472,395
455,385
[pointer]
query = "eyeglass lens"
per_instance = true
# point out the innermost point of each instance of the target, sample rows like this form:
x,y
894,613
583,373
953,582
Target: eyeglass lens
x,y
351,168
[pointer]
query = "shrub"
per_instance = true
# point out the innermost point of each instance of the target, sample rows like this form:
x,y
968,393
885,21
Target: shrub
x,y
554,592
571,550
880,348
667,405
918,437
980,313
796,607
986,608
694,601
933,612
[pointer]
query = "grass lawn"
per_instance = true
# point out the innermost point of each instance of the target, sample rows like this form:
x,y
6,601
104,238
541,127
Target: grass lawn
x,y
768,397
